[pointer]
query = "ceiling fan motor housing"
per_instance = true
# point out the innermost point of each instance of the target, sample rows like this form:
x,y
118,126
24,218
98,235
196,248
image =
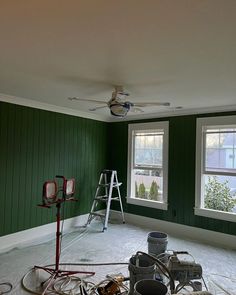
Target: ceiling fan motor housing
x,y
120,109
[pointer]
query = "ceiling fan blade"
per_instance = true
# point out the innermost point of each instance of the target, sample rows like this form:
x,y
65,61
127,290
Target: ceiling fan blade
x,y
86,100
146,104
136,110
97,108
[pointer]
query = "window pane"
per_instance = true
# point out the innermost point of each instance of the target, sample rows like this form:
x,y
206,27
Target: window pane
x,y
148,164
220,151
220,193
148,150
148,184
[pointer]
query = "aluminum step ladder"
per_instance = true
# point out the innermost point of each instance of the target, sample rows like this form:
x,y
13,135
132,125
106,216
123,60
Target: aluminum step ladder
x,y
108,181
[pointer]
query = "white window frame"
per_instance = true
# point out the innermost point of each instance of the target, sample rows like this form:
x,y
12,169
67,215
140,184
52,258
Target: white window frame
x,y
164,125
199,210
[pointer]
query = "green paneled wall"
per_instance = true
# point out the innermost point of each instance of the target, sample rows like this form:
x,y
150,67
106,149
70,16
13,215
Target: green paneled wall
x,y
181,178
36,145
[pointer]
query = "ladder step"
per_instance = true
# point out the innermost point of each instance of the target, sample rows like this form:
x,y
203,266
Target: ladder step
x,y
101,198
105,198
117,184
97,214
108,184
115,198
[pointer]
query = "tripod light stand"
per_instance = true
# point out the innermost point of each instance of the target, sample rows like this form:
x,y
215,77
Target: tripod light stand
x,y
49,199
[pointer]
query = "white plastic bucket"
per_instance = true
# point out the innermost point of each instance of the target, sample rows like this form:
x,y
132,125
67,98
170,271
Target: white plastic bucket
x,y
150,287
157,243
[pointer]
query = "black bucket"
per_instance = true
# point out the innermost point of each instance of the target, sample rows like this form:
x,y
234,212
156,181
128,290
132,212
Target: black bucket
x,y
150,287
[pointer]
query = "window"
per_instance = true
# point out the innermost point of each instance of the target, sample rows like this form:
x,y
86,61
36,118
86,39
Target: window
x,y
216,168
148,164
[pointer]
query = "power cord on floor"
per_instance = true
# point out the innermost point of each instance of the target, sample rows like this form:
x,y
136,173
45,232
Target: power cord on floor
x,y
60,283
6,285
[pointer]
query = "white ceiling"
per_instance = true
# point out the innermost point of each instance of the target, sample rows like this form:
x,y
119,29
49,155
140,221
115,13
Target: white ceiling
x,y
180,51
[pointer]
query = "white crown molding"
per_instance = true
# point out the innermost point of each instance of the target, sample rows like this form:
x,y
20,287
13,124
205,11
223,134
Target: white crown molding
x,y
49,107
181,112
171,113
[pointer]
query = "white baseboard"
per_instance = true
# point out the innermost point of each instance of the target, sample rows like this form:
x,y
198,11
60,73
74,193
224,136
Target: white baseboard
x,y
47,232
183,231
39,234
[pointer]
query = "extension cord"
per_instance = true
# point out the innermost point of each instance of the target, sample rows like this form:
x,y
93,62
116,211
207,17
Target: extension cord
x,y
9,289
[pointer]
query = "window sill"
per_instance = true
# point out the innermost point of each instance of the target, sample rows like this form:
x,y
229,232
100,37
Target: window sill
x,y
147,203
215,214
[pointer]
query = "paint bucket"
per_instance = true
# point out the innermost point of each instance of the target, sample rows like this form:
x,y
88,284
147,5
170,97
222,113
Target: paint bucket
x,y
197,285
150,287
140,267
157,243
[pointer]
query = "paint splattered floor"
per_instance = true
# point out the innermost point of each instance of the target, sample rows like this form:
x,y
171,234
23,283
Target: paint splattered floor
x,y
117,244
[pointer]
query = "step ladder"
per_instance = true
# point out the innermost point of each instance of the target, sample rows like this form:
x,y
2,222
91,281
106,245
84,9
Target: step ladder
x,y
108,181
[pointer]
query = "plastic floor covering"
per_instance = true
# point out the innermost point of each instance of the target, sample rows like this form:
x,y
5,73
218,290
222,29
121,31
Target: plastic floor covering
x,y
116,245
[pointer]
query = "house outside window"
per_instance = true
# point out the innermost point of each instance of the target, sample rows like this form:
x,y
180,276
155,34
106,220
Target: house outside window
x,y
216,168
148,164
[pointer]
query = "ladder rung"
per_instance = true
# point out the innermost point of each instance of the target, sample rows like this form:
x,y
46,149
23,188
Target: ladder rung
x,y
101,198
108,184
105,198
117,184
97,214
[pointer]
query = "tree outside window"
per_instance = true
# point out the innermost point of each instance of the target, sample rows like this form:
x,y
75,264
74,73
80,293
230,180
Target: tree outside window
x,y
218,195
216,168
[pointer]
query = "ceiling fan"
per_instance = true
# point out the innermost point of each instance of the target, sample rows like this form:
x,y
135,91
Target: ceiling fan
x,y
118,105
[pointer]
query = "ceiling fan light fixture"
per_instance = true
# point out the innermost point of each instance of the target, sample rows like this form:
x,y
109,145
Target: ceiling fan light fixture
x,y
117,104
119,109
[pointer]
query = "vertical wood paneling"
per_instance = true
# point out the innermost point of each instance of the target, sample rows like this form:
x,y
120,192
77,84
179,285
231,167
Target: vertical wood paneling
x,y
35,146
181,178
182,168
9,201
3,155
